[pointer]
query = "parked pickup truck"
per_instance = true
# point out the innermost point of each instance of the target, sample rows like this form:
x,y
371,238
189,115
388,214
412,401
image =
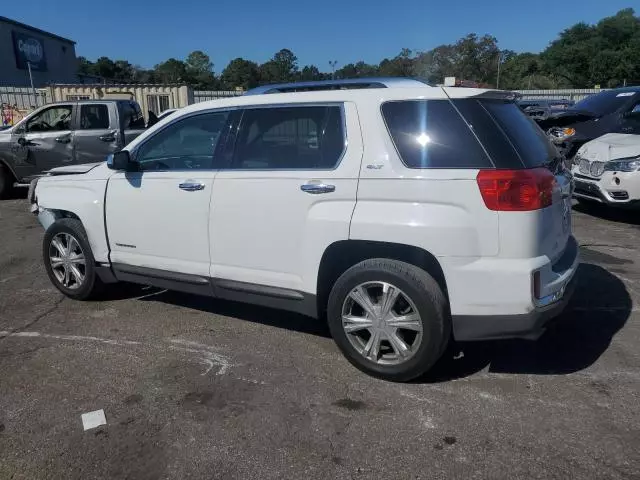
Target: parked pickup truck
x,y
65,133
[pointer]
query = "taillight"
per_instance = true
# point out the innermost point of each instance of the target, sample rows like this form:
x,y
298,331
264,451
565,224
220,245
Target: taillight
x,y
516,190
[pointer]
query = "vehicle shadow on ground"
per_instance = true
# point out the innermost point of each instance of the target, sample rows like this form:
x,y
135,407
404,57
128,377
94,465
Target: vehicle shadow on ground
x,y
599,308
241,311
16,194
617,215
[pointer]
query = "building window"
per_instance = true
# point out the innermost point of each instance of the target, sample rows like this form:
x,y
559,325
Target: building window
x,y
77,98
158,103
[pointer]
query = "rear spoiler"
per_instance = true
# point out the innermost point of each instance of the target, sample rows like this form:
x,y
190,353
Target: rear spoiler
x,y
458,92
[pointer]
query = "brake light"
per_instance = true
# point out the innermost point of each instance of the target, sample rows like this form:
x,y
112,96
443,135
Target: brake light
x,y
516,190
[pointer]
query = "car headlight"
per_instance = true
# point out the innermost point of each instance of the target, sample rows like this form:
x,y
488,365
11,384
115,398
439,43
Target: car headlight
x,y
625,165
558,134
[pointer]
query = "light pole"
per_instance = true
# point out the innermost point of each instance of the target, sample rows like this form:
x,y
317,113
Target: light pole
x,y
35,95
333,64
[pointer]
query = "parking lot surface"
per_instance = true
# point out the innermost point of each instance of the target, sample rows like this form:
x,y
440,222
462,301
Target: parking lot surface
x,y
197,388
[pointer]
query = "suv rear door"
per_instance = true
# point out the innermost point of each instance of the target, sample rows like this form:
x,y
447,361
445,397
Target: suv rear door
x,y
96,131
288,192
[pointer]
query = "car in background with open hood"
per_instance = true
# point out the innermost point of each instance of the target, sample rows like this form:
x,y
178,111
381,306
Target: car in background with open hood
x,y
611,111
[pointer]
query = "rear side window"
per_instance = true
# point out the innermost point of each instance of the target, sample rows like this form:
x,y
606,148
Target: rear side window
x,y
94,117
532,145
432,134
290,138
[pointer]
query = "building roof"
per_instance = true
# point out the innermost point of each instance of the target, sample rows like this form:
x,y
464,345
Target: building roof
x,y
36,30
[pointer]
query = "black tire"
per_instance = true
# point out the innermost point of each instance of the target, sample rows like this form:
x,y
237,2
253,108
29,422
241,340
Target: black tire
x,y
428,298
6,182
92,286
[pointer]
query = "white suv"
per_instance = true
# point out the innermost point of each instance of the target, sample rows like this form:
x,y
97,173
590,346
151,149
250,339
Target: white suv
x,y
402,213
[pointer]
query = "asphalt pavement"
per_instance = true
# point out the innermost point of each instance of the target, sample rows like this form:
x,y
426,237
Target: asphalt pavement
x,y
197,388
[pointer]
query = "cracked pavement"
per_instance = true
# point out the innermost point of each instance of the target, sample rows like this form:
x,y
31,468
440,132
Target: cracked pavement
x,y
193,387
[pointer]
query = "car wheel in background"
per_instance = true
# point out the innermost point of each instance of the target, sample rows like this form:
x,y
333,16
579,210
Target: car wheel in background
x,y
69,261
389,318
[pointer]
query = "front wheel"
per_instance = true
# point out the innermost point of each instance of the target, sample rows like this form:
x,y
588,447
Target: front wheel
x,y
389,318
69,261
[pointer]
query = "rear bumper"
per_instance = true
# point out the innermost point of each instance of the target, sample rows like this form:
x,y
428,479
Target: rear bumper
x,y
498,299
529,326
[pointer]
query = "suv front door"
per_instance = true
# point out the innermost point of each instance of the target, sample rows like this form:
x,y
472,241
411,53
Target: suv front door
x,y
48,137
288,193
158,217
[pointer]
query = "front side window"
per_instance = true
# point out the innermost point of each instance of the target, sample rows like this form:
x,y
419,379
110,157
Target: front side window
x,y
54,119
432,134
188,144
94,117
290,138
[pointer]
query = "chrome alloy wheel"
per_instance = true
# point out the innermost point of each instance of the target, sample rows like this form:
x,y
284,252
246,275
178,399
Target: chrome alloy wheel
x,y
382,323
67,261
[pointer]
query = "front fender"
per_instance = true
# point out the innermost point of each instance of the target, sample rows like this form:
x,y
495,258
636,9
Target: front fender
x,y
82,199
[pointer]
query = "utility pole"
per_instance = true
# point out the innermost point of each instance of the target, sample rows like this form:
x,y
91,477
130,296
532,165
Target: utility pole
x,y
333,64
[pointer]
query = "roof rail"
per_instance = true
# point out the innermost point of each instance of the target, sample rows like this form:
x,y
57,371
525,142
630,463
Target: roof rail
x,y
346,84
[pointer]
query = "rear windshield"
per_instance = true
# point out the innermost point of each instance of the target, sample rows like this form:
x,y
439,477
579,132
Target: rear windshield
x,y
604,103
512,139
432,134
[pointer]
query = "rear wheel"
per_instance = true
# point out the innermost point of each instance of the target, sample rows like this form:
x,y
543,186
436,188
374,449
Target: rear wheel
x,y
69,261
389,318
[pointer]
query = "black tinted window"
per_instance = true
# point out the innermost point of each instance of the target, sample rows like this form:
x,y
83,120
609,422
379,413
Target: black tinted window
x,y
94,117
290,138
188,144
431,134
531,143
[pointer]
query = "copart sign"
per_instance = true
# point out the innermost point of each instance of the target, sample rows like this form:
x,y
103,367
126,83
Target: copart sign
x,y
29,50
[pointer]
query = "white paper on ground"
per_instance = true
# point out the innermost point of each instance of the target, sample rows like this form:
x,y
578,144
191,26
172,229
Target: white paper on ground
x,y
93,419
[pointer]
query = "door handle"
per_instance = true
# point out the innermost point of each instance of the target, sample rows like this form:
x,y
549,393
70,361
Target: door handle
x,y
191,186
64,139
109,137
317,188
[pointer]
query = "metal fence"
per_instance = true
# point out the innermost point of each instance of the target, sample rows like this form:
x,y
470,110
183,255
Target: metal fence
x,y
16,102
205,95
563,94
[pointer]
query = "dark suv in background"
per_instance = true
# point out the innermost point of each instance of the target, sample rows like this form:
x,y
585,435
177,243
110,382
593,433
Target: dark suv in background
x,y
611,111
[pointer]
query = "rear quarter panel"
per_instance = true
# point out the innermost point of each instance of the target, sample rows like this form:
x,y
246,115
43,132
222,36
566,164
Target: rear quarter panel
x,y
438,210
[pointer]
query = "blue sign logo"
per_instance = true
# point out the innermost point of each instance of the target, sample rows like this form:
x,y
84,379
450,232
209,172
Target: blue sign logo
x,y
29,51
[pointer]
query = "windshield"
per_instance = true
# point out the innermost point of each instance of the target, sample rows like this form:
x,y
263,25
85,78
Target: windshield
x,y
603,103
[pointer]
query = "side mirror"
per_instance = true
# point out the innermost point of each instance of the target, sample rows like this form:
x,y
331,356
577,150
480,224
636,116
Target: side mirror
x,y
120,161
22,141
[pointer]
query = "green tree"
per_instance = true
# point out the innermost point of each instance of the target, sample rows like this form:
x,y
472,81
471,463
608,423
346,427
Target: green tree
x,y
240,73
310,73
171,71
357,70
283,67
199,69
402,65
606,53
